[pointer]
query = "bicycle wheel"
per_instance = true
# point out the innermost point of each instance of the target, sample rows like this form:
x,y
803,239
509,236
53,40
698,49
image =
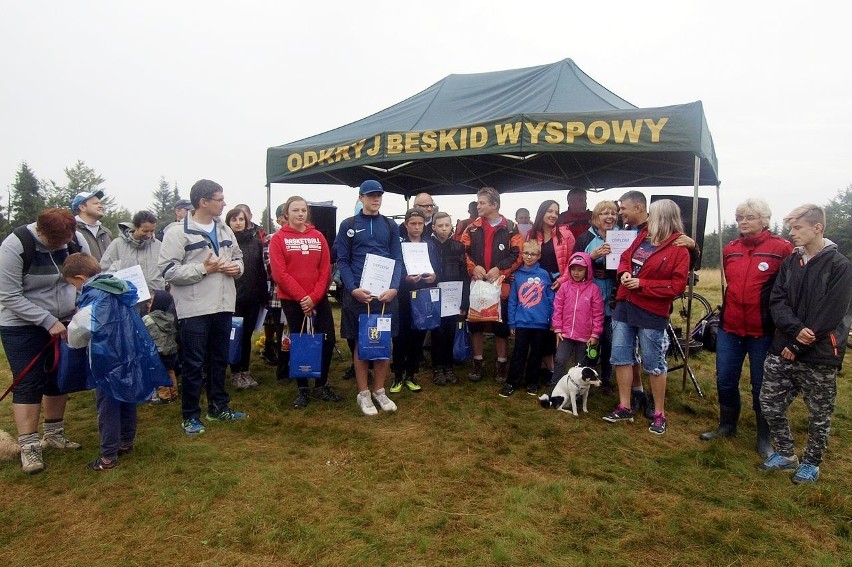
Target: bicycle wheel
x,y
700,309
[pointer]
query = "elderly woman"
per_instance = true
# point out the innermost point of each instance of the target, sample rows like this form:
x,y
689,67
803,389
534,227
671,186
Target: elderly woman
x,y
36,303
593,242
751,263
136,245
651,272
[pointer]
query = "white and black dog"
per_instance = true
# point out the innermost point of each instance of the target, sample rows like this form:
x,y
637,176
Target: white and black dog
x,y
576,382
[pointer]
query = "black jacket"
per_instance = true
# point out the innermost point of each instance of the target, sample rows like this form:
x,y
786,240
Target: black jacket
x,y
816,295
454,265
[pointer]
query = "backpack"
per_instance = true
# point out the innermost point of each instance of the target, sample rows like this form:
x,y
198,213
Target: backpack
x,y
706,330
28,241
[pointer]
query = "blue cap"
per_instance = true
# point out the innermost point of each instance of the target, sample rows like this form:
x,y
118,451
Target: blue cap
x,y
83,197
370,186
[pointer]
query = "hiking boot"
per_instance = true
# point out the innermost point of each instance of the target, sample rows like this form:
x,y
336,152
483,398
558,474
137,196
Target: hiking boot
x,y
237,380
57,440
478,371
620,413
384,402
502,372
396,387
778,462
101,465
438,377
365,403
658,426
326,394
227,414
412,384
806,474
450,375
302,399
193,426
31,458
507,390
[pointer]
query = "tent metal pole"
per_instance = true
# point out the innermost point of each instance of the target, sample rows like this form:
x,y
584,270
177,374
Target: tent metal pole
x,y
721,256
687,334
267,220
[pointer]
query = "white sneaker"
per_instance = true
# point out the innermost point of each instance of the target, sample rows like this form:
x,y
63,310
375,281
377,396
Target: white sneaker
x,y
31,459
57,440
384,401
366,404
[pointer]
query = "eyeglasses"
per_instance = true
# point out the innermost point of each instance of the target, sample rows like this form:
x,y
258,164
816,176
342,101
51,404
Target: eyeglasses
x,y
749,218
531,254
219,200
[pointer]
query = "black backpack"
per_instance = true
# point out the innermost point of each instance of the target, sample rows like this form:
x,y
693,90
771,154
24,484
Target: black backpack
x,y
28,241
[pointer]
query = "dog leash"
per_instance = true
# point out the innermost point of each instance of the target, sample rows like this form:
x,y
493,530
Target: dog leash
x,y
54,342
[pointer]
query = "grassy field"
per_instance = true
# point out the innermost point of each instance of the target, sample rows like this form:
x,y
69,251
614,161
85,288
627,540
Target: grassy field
x,y
458,476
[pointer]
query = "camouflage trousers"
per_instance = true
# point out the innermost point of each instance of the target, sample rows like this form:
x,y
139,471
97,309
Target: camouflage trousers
x,y
782,382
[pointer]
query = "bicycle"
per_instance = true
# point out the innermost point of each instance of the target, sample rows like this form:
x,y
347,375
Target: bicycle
x,y
679,341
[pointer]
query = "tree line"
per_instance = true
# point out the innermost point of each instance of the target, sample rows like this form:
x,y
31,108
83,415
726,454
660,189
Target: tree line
x,y
838,212
29,195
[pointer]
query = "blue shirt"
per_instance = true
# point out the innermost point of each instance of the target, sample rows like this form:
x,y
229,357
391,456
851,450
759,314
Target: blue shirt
x,y
362,235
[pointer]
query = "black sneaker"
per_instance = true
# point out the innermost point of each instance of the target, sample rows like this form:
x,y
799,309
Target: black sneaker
x,y
532,389
270,357
326,394
349,374
302,399
620,413
507,390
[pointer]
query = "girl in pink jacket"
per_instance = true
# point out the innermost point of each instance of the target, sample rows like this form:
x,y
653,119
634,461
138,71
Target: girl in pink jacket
x,y
578,314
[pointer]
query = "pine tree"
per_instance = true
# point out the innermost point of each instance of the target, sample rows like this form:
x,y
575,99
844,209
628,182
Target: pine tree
x,y
81,178
164,203
26,197
838,213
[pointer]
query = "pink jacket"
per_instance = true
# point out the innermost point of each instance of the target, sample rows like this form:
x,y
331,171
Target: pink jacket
x,y
578,310
563,250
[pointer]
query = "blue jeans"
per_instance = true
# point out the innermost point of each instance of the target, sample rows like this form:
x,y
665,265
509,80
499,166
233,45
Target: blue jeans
x,y
116,423
204,353
653,344
731,351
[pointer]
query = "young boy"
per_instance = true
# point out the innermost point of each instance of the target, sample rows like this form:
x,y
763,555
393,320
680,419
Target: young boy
x,y
810,306
453,269
578,314
125,365
530,308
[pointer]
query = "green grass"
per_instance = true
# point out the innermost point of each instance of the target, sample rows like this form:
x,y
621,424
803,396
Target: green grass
x,y
459,476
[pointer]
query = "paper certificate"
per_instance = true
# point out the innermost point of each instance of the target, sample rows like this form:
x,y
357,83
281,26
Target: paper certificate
x,y
451,298
619,241
416,258
377,274
134,275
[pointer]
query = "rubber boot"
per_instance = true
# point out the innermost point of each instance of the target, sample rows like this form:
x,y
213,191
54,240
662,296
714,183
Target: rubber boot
x,y
728,417
764,441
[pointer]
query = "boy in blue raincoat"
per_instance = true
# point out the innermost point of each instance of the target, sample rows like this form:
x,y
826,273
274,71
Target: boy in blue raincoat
x,y
124,363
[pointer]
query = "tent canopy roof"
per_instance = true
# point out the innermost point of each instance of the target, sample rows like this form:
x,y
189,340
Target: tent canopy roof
x,y
534,129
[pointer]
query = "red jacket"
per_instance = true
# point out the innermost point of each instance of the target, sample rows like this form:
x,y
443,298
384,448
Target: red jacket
x,y
506,249
301,263
662,276
751,265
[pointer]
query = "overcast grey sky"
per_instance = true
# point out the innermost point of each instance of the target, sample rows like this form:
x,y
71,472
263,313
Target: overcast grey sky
x,y
194,90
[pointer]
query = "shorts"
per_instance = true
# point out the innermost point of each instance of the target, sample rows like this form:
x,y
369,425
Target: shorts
x,y
22,344
653,343
351,309
500,330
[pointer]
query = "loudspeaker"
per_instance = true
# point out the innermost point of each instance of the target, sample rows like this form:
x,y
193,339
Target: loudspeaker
x,y
685,204
325,219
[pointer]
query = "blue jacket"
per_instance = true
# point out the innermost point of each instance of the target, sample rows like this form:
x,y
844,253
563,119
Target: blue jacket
x,y
361,235
530,299
124,361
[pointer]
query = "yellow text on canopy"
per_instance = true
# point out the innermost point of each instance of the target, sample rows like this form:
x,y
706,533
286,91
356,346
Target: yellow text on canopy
x,y
597,132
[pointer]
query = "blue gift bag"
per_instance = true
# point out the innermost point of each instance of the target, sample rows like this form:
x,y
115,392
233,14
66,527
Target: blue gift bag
x,y
374,335
462,350
426,308
235,349
306,352
72,369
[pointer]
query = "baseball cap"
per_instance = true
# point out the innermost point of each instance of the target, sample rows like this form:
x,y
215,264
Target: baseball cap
x,y
184,204
577,261
83,197
414,213
370,186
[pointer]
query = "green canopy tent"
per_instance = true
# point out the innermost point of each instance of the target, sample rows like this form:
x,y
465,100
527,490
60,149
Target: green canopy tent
x,y
543,128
